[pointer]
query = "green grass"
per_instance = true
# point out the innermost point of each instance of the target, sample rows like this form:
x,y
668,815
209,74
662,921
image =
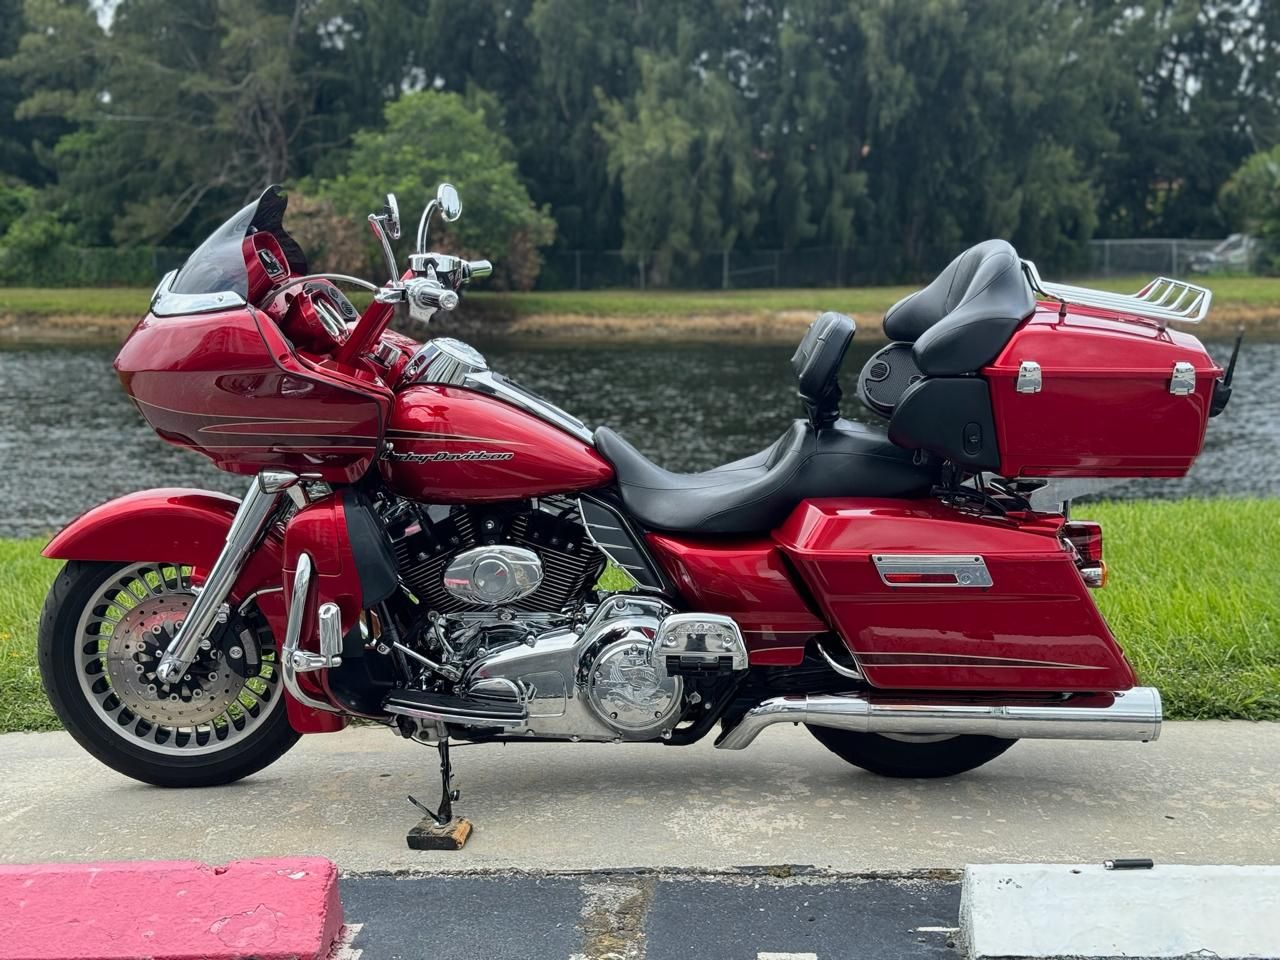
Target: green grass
x,y
1228,291
132,301
1194,599
25,577
75,301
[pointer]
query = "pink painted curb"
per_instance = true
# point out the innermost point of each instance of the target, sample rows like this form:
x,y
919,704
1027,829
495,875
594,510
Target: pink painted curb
x,y
280,909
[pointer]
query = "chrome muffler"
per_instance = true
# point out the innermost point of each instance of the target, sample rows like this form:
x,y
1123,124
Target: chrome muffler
x,y
1133,715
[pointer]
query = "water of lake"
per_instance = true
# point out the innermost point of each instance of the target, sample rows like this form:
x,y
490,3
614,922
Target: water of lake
x,y
70,439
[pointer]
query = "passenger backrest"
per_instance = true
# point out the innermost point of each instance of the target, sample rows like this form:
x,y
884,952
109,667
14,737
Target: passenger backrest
x,y
817,365
963,318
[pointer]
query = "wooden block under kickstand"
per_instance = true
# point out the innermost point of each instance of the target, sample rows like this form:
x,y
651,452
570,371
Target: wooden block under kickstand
x,y
429,835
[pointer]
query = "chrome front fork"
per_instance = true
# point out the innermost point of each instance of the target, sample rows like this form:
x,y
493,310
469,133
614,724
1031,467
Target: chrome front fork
x,y
258,504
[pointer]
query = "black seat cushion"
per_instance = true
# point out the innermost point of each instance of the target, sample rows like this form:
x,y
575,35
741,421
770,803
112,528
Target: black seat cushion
x,y
817,365
961,320
755,494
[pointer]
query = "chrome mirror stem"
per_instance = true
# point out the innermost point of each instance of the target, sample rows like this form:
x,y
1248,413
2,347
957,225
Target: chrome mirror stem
x,y
424,224
375,223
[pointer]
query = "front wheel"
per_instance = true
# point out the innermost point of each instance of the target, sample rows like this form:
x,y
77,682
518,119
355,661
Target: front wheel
x,y
103,630
924,757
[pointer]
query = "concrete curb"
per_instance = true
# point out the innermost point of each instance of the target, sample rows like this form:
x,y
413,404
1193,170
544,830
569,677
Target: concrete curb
x,y
277,909
1058,910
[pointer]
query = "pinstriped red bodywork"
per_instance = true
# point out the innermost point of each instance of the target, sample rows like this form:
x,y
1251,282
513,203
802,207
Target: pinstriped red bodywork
x,y
747,579
1034,629
450,445
228,385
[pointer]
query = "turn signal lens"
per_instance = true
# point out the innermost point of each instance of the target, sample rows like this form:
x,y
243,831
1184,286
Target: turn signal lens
x,y
1086,537
1094,576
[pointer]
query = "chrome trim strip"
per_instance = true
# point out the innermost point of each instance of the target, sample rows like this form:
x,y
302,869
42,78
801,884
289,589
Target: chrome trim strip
x,y
968,570
1135,715
485,382
166,303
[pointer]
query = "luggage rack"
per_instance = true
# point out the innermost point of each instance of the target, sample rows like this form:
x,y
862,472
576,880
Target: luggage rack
x,y
1161,300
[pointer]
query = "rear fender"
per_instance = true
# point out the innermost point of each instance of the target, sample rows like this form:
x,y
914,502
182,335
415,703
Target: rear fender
x,y
178,525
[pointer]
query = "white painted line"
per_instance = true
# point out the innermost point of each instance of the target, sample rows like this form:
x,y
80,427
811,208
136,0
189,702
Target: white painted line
x,y
342,949
937,930
1037,911
786,956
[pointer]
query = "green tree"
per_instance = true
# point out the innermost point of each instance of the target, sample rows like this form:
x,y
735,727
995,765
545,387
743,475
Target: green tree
x,y
178,111
1251,202
682,157
431,137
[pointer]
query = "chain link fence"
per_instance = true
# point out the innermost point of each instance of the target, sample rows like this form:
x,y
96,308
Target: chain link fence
x,y
718,270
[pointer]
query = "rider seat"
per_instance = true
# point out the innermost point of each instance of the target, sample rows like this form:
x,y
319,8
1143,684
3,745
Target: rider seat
x,y
820,456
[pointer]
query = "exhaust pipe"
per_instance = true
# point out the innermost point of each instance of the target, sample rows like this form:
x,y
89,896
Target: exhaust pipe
x,y
1134,715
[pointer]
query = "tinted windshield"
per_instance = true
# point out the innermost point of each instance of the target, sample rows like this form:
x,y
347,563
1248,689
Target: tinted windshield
x,y
218,266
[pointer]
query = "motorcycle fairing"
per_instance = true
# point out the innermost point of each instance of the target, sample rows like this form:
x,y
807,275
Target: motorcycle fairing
x,y
1034,628
229,386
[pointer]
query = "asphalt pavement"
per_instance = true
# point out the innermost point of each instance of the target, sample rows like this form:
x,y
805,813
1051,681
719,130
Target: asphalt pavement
x,y
649,915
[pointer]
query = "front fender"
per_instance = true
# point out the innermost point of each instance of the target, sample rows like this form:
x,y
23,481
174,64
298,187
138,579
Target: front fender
x,y
180,525
173,524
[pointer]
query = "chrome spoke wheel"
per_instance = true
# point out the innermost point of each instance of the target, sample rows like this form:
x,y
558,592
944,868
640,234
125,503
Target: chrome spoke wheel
x,y
230,689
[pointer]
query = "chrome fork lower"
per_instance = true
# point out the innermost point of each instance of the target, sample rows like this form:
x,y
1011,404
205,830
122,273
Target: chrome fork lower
x,y
258,503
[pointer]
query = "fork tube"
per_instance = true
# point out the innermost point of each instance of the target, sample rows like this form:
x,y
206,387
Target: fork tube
x,y
241,538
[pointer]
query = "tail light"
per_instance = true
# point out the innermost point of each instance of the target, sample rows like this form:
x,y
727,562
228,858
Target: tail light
x,y
1085,538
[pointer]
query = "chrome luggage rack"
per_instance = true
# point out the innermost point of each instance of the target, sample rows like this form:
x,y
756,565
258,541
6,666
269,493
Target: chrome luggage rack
x,y
1161,300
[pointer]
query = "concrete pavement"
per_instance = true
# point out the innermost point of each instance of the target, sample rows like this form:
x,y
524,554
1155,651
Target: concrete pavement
x,y
1204,793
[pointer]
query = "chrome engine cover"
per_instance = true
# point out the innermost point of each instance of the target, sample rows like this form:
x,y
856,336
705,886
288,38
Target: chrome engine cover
x,y
493,575
627,692
596,683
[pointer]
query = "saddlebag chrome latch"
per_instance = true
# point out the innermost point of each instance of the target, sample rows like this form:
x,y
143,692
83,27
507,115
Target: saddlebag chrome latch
x,y
1183,381
1029,379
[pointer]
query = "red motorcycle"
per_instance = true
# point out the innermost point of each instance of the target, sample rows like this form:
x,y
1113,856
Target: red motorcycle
x,y
422,540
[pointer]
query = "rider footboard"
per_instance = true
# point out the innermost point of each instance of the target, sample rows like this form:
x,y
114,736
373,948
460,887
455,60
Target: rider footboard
x,y
931,598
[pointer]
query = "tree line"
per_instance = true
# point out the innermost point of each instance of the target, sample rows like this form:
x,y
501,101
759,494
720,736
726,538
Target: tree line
x,y
900,130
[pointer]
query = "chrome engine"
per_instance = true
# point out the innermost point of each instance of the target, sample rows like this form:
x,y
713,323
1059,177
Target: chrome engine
x,y
598,682
493,575
512,621
471,563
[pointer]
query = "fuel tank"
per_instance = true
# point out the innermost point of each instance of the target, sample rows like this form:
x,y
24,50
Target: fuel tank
x,y
449,444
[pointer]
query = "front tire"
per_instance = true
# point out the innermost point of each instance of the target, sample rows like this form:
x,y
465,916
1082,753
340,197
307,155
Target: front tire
x,y
102,630
916,758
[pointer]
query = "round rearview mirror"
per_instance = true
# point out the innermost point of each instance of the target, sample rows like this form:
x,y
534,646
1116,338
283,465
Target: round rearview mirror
x,y
450,202
392,217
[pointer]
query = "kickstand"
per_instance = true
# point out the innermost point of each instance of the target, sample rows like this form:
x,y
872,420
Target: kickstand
x,y
438,829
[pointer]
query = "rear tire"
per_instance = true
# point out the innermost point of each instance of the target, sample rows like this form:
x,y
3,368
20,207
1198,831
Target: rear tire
x,y
890,757
78,629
